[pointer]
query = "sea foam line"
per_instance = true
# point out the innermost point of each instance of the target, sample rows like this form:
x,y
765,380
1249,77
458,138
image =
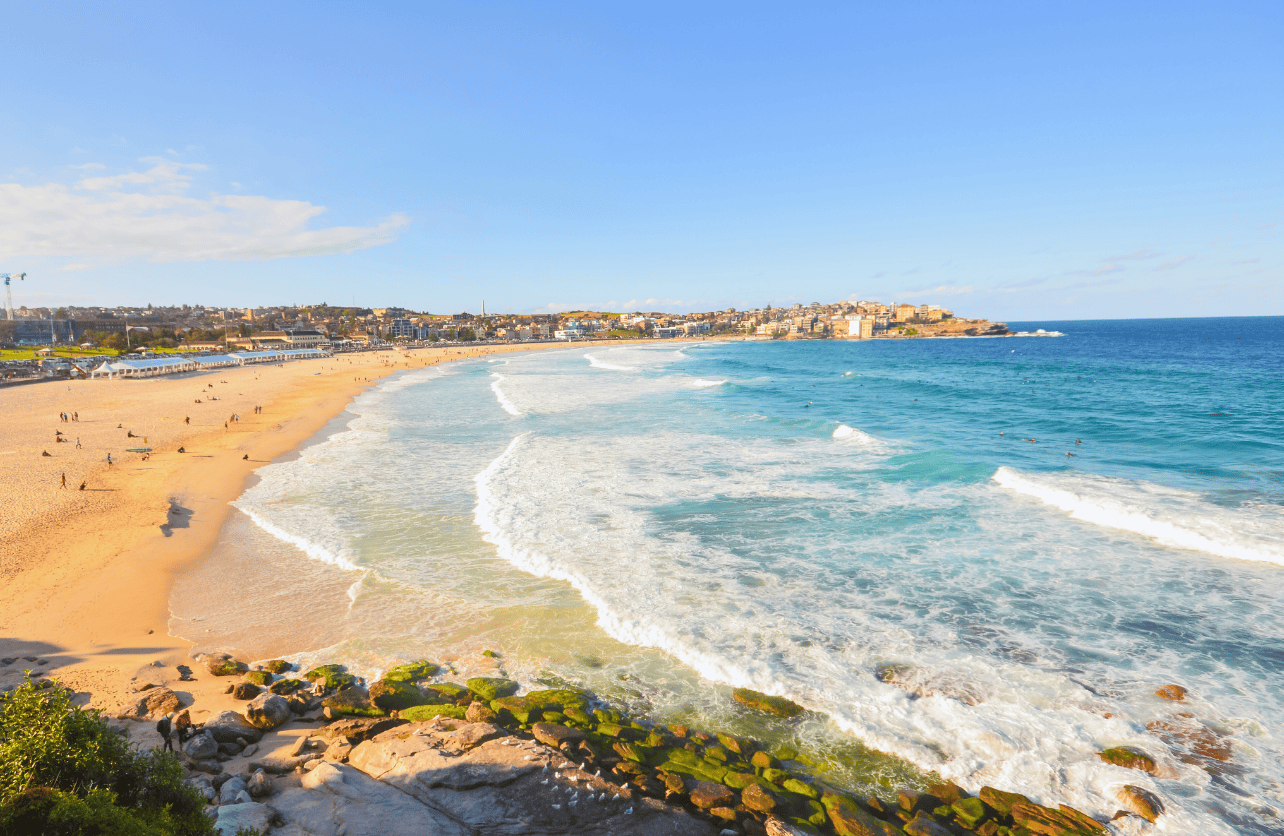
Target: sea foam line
x,y
701,383
501,397
311,549
1185,529
598,364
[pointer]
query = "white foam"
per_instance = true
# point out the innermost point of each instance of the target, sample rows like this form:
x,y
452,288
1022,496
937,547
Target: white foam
x,y
501,397
1174,518
597,364
704,384
311,549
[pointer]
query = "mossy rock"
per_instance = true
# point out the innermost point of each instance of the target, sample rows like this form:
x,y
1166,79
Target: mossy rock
x,y
806,826
736,745
259,677
798,787
970,811
489,688
740,780
817,815
225,667
633,752
778,706
762,760
716,753
554,717
286,686
420,713
397,695
490,654
1129,758
333,676
787,753
776,776
411,672
447,690
278,666
351,703
579,717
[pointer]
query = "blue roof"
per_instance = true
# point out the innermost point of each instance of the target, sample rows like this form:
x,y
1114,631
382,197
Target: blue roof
x,y
214,359
154,362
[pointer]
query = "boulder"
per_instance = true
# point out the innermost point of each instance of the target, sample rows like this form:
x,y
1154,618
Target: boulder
x,y
277,666
233,818
267,711
231,788
285,686
779,827
331,676
848,819
411,672
262,678
1065,821
221,664
479,712
357,729
1141,801
759,799
245,691
201,747
706,795
778,706
1175,693
925,825
354,702
555,735
258,786
421,713
490,688
1128,758
1001,801
157,702
336,799
392,695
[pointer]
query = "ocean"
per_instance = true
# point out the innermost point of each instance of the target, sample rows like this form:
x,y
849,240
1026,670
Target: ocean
x,y
981,556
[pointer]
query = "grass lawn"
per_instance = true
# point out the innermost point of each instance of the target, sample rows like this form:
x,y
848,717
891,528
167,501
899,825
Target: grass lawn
x,y
30,353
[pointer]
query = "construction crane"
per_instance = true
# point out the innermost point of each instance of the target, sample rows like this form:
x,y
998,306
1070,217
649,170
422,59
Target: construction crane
x,y
8,294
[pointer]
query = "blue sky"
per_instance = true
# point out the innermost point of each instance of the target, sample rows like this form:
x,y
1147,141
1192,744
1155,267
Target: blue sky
x,y
1015,161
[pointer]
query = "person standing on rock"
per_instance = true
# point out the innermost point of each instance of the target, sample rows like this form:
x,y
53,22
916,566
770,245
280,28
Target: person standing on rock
x,y
163,728
183,723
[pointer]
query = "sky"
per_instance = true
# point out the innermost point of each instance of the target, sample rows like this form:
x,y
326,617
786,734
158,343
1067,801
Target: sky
x,y
1014,161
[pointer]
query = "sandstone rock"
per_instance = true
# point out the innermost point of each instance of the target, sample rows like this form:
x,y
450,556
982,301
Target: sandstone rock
x,y
358,729
261,678
394,696
245,691
757,798
235,817
338,800
227,726
221,664
779,706
277,666
1001,801
1141,801
555,735
354,702
1129,758
494,789
267,711
777,827
423,713
157,702
286,686
201,747
471,735
490,688
139,687
331,676
1065,821
1172,692
411,672
924,825
706,795
850,820
479,712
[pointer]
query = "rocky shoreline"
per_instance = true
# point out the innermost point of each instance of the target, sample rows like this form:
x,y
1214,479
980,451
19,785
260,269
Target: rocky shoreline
x,y
408,754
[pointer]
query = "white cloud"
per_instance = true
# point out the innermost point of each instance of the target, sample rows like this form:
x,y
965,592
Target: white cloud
x,y
147,215
1175,263
943,290
1132,256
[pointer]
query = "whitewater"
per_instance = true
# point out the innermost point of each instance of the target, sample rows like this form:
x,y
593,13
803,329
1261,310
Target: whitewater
x,y
1032,536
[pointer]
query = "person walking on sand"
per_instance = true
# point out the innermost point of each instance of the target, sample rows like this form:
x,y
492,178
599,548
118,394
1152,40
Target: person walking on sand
x,y
109,461
77,442
64,481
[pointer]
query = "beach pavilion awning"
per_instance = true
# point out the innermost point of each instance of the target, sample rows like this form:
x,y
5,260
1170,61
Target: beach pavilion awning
x,y
148,367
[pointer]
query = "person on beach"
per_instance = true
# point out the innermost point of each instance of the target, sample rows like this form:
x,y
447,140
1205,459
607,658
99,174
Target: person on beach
x,y
163,728
82,485
64,481
188,419
183,723
45,453
78,442
109,461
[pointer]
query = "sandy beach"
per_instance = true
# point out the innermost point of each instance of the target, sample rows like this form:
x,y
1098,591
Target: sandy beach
x,y
85,574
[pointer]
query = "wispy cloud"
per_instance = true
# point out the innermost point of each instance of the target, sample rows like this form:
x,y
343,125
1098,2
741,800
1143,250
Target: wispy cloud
x,y
1012,287
1270,225
1095,271
1248,261
1175,263
1134,256
879,274
148,215
941,290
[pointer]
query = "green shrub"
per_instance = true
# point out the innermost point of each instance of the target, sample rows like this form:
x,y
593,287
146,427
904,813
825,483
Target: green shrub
x,y
62,770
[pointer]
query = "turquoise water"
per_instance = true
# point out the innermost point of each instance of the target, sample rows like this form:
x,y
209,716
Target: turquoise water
x,y
661,522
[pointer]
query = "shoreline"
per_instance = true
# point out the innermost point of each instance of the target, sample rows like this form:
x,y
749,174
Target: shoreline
x,y
85,576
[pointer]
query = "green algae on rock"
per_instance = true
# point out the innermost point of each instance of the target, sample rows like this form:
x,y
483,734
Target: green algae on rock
x,y
489,688
259,677
277,666
411,672
778,706
1129,758
333,676
353,702
394,695
419,713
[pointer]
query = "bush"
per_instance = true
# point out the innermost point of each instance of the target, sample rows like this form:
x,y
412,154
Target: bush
x,y
62,770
